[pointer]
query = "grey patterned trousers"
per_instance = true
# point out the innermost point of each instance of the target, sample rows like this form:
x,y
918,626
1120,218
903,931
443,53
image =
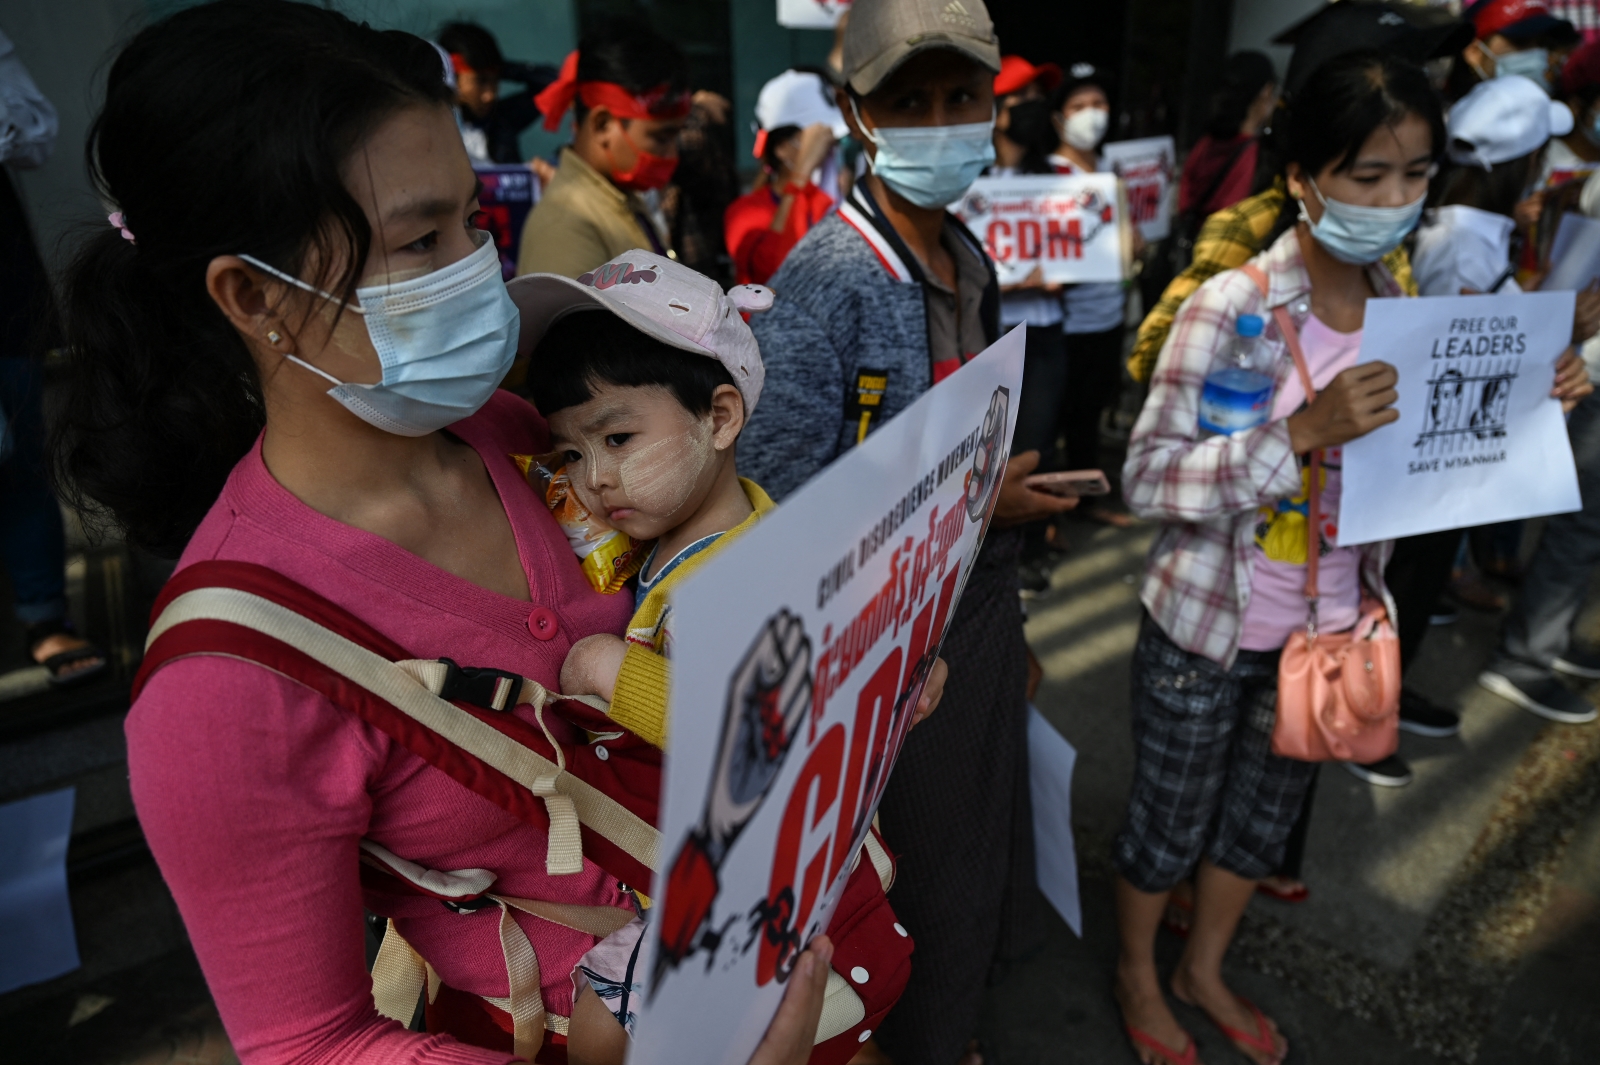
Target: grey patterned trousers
x,y
1205,783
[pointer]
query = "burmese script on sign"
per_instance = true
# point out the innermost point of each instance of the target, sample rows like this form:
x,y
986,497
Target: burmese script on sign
x,y
1146,169
1479,438
801,653
1069,225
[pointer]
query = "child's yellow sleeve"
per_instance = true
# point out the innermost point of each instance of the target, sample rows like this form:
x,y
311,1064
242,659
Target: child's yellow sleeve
x,y
639,703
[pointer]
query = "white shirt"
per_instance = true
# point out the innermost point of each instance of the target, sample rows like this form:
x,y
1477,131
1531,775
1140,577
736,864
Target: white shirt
x,y
1094,306
1461,247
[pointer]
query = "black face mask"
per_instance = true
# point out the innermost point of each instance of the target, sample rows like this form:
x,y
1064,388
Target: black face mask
x,y
1031,126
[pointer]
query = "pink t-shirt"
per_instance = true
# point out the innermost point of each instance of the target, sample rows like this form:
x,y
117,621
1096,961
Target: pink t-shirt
x,y
1277,604
254,791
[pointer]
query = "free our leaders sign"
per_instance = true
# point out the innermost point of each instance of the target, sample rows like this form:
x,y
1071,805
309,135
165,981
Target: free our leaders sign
x,y
1069,225
800,653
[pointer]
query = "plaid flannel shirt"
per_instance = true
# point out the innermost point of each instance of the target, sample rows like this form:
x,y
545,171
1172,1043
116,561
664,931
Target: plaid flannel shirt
x,y
1227,239
1207,490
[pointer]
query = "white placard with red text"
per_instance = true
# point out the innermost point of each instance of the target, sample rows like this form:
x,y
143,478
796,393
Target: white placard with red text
x,y
1145,167
811,14
1068,224
800,652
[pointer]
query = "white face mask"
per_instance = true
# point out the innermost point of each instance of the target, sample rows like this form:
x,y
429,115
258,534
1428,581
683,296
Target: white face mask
x,y
1355,234
445,340
1085,129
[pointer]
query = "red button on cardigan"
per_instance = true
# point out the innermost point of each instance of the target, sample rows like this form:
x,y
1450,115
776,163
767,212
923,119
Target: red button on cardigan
x,y
542,623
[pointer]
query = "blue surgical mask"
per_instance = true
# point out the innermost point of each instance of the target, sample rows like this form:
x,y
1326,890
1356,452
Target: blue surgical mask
x,y
932,166
1361,235
445,340
1533,64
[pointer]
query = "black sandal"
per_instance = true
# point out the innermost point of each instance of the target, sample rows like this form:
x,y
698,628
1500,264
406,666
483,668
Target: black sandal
x,y
59,663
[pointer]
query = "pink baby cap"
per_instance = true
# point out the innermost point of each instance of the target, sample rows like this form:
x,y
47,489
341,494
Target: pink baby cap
x,y
661,298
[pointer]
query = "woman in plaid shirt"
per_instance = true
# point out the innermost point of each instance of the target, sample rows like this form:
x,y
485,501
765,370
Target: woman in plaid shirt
x,y
1364,133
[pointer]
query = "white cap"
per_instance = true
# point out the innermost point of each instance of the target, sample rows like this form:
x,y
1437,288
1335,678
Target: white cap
x,y
1504,119
796,98
678,306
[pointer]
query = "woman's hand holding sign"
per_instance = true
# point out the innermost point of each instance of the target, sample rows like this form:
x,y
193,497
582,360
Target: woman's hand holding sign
x,y
932,692
1572,380
1353,404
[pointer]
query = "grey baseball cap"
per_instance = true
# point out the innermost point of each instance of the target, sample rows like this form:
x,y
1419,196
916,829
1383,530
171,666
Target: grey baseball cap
x,y
882,34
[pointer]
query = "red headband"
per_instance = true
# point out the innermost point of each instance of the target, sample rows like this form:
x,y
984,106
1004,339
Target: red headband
x,y
458,64
557,97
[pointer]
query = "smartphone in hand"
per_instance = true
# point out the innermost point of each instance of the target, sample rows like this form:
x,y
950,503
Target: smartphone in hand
x,y
1070,483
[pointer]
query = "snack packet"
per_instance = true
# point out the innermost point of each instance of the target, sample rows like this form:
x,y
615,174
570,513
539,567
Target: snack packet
x,y
607,556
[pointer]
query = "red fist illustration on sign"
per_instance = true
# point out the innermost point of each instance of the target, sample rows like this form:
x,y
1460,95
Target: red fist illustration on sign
x,y
768,696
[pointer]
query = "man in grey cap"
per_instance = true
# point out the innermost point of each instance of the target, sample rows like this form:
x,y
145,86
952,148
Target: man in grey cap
x,y
876,304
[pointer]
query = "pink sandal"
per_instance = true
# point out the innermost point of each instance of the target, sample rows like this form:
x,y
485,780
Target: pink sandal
x,y
1262,1040
1170,1056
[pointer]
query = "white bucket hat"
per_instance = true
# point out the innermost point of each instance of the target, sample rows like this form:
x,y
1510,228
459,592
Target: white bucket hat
x,y
664,299
1504,119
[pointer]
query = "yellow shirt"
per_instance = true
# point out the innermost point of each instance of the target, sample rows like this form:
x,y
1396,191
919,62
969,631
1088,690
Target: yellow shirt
x,y
1228,239
639,703
581,222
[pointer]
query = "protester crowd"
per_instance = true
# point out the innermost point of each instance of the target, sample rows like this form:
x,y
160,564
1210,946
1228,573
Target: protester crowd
x,y
1403,152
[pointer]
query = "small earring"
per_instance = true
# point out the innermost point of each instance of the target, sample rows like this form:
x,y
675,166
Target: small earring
x,y
272,336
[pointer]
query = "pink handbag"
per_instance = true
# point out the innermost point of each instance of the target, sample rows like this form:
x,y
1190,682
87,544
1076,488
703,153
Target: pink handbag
x,y
1338,693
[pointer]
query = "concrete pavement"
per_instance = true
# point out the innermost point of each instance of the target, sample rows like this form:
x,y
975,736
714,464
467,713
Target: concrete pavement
x,y
1456,919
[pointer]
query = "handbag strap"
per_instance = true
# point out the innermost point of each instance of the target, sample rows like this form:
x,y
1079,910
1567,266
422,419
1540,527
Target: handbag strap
x,y
1291,338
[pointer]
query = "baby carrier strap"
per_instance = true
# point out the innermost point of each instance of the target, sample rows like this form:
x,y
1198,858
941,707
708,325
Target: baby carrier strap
x,y
400,975
597,800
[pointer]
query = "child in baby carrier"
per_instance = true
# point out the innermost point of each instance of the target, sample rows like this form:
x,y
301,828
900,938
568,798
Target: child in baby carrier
x,y
645,404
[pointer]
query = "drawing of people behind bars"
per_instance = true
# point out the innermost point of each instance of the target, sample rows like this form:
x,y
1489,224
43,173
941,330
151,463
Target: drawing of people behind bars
x,y
1465,408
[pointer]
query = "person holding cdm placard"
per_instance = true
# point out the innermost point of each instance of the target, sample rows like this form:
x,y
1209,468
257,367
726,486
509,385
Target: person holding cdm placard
x,y
1242,425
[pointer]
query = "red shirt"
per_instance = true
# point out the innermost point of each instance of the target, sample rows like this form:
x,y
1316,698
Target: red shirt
x,y
1201,169
757,251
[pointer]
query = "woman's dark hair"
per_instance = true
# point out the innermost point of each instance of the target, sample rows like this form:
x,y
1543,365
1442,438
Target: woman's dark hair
x,y
632,55
1345,101
474,44
1497,190
225,130
1244,75
777,138
1081,76
593,347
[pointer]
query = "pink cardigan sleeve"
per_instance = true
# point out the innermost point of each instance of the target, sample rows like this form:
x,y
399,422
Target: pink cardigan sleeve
x,y
253,795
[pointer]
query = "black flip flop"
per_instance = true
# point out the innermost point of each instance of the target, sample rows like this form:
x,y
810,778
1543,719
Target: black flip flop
x,y
59,662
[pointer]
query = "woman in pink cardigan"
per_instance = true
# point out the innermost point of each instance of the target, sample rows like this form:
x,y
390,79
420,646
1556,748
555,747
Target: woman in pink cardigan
x,y
284,351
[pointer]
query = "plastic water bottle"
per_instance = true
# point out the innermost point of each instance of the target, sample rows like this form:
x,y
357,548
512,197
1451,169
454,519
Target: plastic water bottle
x,y
1238,392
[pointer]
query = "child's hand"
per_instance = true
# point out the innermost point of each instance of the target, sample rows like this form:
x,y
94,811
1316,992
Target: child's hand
x,y
592,666
593,1035
932,691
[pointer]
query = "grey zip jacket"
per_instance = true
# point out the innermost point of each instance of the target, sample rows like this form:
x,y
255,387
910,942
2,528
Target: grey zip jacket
x,y
845,344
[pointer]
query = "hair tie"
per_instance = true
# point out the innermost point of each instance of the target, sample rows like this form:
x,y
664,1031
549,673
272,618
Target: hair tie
x,y
115,218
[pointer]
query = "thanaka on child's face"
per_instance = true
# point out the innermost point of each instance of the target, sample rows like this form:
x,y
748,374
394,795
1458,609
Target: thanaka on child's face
x,y
639,459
